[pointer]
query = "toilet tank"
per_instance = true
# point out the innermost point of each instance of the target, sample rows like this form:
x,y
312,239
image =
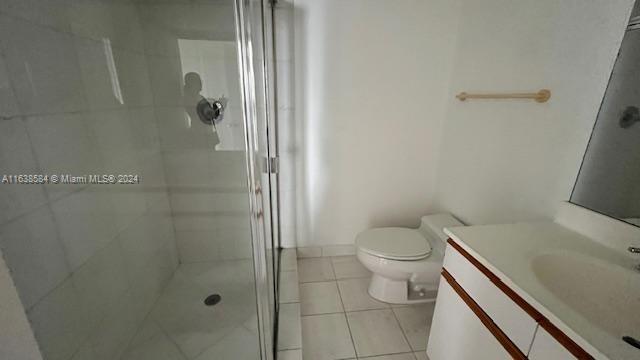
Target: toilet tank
x,y
431,227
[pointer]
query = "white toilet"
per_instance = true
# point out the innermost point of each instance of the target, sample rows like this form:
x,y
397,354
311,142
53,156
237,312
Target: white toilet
x,y
405,263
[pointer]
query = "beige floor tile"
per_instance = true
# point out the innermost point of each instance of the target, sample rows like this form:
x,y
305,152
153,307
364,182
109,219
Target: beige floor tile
x,y
346,267
320,298
290,355
355,296
405,356
289,331
376,332
326,337
338,250
421,355
289,290
288,260
415,322
315,269
307,252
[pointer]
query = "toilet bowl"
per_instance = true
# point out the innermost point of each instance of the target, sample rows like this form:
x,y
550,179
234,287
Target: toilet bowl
x,y
405,263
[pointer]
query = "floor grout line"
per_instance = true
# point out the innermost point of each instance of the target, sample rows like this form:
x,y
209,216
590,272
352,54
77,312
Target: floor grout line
x,y
402,330
346,319
390,307
386,354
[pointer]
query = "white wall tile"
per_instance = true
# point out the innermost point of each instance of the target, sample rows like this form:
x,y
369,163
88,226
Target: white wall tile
x,y
144,131
113,20
48,13
86,223
101,85
133,74
197,222
59,322
64,144
158,347
110,339
197,246
188,168
229,168
234,243
42,84
113,77
34,254
239,344
16,337
153,182
179,131
17,158
100,282
8,103
166,80
210,200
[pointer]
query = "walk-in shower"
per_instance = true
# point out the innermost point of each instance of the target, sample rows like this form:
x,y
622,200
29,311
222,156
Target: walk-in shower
x,y
140,219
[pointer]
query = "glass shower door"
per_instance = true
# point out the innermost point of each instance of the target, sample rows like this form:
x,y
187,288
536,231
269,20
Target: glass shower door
x,y
254,31
173,259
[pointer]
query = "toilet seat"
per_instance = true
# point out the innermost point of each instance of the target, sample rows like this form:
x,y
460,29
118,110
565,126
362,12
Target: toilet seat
x,y
394,243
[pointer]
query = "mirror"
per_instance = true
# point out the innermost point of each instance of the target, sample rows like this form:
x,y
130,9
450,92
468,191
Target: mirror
x,y
609,178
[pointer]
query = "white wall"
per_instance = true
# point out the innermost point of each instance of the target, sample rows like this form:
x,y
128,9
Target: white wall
x,y
371,81
505,161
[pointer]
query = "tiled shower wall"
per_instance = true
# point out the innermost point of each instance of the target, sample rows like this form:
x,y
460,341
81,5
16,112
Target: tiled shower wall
x,y
95,86
76,98
207,182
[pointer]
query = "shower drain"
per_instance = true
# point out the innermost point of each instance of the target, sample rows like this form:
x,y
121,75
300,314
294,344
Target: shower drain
x,y
212,299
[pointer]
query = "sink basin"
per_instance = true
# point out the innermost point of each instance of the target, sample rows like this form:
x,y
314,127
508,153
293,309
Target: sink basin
x,y
606,294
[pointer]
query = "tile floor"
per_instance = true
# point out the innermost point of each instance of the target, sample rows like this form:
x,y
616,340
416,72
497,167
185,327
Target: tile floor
x,y
181,327
341,321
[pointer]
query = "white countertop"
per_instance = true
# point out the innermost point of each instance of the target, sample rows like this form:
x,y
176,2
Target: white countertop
x,y
513,253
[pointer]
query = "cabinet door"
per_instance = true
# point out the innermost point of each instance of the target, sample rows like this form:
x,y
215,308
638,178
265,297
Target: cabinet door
x,y
457,333
509,316
545,347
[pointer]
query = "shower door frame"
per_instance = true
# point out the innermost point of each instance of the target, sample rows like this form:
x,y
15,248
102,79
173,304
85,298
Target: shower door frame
x,y
246,30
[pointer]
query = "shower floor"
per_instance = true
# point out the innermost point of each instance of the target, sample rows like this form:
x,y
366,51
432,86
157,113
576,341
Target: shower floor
x,y
181,327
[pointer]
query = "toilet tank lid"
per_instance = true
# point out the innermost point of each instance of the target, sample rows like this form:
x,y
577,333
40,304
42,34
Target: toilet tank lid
x,y
434,224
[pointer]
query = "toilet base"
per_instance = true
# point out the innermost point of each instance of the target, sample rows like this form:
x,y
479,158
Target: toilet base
x,y
398,291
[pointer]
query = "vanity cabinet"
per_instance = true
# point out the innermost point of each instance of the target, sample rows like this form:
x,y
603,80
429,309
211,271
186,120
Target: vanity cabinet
x,y
545,347
460,333
477,316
